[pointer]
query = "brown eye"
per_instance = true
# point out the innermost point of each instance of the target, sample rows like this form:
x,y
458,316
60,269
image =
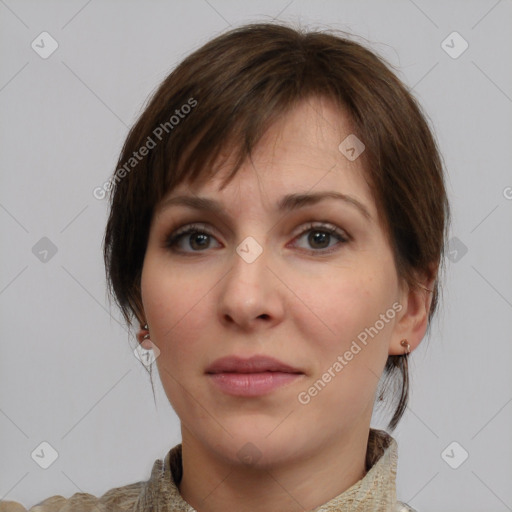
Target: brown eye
x,y
320,235
195,236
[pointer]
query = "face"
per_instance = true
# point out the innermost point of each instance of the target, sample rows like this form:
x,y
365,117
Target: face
x,y
313,285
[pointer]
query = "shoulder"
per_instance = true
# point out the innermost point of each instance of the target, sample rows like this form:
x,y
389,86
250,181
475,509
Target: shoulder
x,y
118,499
138,496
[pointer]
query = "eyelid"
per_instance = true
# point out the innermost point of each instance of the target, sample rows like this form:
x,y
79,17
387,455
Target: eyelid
x,y
322,225
202,227
325,226
199,226
174,234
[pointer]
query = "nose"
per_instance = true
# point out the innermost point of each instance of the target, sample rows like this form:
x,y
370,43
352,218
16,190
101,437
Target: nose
x,y
250,294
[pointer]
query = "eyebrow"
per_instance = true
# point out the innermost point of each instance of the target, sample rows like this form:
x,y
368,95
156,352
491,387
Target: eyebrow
x,y
287,203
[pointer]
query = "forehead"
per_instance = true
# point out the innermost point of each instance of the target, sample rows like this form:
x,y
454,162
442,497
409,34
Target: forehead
x,y
298,153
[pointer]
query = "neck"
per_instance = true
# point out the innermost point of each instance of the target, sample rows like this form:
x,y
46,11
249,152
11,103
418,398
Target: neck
x,y
212,484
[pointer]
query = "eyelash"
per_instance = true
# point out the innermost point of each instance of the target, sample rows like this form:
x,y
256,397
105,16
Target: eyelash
x,y
172,240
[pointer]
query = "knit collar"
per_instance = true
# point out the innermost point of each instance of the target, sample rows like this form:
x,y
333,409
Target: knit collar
x,y
374,492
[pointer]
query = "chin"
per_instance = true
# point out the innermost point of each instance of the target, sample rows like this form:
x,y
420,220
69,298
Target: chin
x,y
258,444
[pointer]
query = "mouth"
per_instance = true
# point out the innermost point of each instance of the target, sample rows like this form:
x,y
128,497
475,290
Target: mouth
x,y
254,376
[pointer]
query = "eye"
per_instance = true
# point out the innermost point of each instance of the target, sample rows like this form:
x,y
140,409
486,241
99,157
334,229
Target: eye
x,y
198,238
320,234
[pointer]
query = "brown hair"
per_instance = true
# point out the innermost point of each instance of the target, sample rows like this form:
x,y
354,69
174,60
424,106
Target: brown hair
x,y
230,91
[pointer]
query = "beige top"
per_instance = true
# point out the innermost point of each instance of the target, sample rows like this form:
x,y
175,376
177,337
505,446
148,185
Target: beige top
x,y
375,492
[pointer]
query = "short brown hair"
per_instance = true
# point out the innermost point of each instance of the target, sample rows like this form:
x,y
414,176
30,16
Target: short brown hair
x,y
234,87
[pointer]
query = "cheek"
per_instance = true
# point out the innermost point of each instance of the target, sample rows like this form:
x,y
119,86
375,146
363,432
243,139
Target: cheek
x,y
175,305
345,302
348,341
346,328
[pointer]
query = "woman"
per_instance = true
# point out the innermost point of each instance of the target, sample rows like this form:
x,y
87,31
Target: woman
x,y
277,225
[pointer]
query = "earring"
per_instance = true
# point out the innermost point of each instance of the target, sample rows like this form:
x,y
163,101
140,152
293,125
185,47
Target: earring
x,y
406,345
143,337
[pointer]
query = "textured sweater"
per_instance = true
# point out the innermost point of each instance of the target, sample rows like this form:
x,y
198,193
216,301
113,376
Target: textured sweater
x,y
375,492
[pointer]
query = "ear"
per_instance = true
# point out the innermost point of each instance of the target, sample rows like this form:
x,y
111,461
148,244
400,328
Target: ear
x,y
412,320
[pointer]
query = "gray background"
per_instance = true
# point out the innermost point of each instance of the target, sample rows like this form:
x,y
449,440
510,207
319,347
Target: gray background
x,y
68,373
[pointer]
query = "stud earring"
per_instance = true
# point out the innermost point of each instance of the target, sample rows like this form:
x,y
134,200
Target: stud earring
x,y
143,337
406,345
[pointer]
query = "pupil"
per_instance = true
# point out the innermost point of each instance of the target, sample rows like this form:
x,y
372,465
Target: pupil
x,y
204,242
318,237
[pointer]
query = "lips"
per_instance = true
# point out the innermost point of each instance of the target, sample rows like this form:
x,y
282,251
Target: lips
x,y
252,377
255,364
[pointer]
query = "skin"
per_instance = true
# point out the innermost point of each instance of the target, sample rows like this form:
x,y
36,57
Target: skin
x,y
203,301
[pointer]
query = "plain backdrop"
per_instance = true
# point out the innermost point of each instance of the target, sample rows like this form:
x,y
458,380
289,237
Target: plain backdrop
x,y
68,374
